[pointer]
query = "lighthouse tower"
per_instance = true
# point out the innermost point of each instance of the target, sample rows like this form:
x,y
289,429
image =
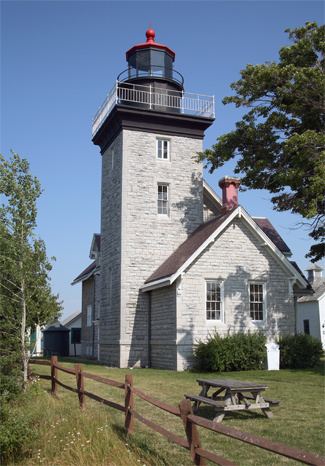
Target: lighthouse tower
x,y
149,131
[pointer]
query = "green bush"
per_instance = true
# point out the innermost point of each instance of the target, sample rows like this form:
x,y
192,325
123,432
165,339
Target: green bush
x,y
15,433
299,351
238,352
19,424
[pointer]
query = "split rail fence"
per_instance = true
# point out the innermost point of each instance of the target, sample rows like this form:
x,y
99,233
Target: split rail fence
x,y
191,441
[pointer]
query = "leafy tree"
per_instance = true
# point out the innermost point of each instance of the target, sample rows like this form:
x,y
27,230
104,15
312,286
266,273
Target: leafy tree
x,y
26,299
279,143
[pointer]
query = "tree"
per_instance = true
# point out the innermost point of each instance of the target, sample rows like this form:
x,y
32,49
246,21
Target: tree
x,y
279,143
26,299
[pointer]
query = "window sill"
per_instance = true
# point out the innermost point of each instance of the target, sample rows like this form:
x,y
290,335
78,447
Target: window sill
x,y
163,217
213,323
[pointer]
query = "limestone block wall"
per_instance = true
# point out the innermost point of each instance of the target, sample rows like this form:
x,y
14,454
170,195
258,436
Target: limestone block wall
x,y
236,258
97,300
86,331
149,238
110,275
163,328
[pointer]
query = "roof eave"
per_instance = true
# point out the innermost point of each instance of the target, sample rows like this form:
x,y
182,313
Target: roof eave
x,y
154,285
240,212
83,278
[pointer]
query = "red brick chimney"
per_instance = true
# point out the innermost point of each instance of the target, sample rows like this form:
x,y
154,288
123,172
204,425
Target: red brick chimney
x,y
229,186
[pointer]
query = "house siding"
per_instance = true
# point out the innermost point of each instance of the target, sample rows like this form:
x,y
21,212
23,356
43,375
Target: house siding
x,y
88,287
110,277
163,328
235,258
314,311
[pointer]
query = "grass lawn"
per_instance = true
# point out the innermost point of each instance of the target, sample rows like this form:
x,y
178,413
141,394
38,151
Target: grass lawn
x,y
95,436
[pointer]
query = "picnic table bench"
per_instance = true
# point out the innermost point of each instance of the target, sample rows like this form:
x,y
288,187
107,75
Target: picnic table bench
x,y
232,395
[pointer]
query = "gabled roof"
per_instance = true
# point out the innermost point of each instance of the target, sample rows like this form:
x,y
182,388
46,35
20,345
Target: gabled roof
x,y
85,274
186,249
271,232
200,239
71,318
319,290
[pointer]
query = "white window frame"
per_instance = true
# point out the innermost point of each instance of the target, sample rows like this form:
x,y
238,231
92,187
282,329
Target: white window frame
x,y
89,315
161,150
222,313
165,214
263,284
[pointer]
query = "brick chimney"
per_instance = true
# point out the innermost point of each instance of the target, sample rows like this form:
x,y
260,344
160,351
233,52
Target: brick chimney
x,y
229,186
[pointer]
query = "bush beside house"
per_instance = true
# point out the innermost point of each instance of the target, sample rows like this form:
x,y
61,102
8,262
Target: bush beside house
x,y
238,352
299,351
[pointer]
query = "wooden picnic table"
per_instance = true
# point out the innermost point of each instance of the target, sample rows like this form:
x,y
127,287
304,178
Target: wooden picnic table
x,y
232,395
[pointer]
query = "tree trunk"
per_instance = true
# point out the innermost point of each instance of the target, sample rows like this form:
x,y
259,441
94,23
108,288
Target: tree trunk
x,y
24,353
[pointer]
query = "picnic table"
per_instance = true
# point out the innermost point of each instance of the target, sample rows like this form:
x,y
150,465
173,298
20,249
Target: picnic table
x,y
232,395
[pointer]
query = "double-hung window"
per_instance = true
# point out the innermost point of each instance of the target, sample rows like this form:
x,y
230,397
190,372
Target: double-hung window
x,y
257,301
163,199
213,300
89,315
163,149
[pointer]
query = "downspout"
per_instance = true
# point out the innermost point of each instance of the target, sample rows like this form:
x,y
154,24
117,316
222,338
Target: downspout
x,y
149,328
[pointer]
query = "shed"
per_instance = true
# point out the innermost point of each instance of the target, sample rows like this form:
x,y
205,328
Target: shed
x,y
56,341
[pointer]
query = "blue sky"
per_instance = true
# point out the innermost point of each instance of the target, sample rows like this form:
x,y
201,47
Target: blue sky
x,y
60,58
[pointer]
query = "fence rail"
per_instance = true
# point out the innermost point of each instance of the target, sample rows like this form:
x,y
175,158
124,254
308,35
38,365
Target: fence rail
x,y
184,411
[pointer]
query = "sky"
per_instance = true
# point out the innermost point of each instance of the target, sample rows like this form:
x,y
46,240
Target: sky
x,y
59,59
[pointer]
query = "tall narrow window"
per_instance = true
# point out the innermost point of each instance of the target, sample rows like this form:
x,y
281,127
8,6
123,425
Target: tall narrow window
x,y
163,149
256,301
162,199
306,327
213,300
89,315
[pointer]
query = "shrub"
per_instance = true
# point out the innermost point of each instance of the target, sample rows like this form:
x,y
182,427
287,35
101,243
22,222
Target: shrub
x,y
238,352
299,351
20,419
15,433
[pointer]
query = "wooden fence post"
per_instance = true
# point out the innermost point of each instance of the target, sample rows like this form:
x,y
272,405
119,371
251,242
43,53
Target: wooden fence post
x,y
129,404
54,373
192,433
80,385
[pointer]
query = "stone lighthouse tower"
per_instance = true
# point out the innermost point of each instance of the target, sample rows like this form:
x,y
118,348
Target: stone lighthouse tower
x,y
149,131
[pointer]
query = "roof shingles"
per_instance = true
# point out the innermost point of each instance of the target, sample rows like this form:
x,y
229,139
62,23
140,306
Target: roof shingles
x,y
186,249
178,258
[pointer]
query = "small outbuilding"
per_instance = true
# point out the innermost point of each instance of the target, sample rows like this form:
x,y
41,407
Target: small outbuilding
x,y
56,341
311,308
73,323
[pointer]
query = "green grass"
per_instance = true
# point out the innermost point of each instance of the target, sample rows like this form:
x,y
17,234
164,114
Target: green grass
x,y
95,436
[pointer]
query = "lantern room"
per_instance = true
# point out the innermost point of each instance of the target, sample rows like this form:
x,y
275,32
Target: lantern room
x,y
150,61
